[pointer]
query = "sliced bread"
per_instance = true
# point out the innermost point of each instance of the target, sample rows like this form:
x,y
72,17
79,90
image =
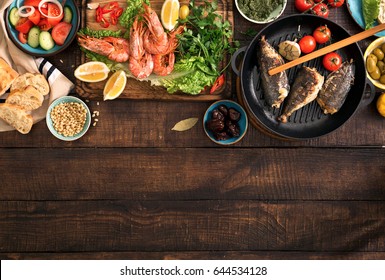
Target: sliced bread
x,y
29,98
28,79
16,117
7,76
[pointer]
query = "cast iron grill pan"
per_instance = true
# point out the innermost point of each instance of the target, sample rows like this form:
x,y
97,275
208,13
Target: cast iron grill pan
x,y
309,121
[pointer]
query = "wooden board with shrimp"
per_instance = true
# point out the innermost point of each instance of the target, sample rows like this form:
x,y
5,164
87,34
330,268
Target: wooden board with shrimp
x,y
136,89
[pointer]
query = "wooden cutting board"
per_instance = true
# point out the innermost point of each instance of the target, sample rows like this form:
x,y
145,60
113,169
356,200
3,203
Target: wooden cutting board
x,y
141,89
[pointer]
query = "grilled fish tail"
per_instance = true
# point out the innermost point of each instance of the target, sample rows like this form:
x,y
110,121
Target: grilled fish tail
x,y
336,87
305,89
275,87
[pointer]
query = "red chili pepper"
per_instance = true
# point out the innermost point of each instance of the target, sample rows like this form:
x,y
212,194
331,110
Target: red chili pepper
x,y
110,7
99,14
113,19
218,83
118,12
104,23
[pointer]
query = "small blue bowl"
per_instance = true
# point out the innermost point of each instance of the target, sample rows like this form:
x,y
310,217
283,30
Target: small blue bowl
x,y
40,52
67,99
242,122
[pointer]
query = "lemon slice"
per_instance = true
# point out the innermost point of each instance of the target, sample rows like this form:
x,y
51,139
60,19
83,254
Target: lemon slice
x,y
115,85
93,71
169,14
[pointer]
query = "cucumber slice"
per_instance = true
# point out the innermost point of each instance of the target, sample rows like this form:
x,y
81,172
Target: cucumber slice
x,y
67,14
14,16
33,37
46,41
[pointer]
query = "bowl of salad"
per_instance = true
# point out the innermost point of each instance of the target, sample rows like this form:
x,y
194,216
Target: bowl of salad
x,y
42,27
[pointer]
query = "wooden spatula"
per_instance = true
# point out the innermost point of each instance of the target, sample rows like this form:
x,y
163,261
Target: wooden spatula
x,y
337,45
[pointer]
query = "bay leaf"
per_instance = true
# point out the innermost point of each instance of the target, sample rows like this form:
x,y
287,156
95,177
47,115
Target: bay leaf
x,y
184,125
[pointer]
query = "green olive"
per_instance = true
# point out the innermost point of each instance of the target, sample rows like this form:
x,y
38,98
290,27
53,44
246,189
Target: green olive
x,y
379,53
381,66
372,56
383,48
370,65
382,79
375,74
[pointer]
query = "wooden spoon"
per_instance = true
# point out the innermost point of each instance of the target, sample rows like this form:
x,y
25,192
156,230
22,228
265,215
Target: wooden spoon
x,y
337,45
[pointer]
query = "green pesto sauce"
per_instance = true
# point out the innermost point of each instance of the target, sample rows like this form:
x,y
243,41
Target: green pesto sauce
x,y
258,9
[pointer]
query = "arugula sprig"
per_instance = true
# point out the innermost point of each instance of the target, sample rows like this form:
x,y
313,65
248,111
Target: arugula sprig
x,y
206,35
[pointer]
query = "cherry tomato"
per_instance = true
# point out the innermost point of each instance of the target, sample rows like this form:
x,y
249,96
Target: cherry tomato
x,y
35,17
218,83
336,3
23,25
44,25
54,11
307,44
317,1
22,37
332,61
60,32
303,5
321,10
322,34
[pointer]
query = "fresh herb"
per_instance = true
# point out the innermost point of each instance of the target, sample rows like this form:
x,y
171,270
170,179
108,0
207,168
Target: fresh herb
x,y
134,8
99,33
258,9
370,10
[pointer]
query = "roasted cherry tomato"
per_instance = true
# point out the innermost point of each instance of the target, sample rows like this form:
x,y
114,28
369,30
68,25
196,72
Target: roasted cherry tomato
x,y
23,25
54,12
332,61
336,3
322,34
22,37
321,10
307,44
303,5
218,83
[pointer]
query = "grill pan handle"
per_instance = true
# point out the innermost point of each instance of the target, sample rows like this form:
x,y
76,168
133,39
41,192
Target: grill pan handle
x,y
369,94
234,65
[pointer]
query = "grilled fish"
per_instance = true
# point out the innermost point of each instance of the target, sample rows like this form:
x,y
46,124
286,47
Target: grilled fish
x,y
305,89
275,87
336,87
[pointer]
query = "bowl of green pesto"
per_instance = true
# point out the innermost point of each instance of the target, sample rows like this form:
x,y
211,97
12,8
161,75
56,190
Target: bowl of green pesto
x,y
261,11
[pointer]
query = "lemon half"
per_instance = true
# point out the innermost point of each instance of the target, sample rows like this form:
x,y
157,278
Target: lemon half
x,y
170,14
115,85
93,71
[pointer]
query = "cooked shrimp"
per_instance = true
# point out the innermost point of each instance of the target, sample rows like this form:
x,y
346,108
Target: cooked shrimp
x,y
163,64
115,49
136,39
141,68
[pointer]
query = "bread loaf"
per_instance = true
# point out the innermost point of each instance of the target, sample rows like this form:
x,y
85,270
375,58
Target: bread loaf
x,y
28,79
29,98
16,117
7,76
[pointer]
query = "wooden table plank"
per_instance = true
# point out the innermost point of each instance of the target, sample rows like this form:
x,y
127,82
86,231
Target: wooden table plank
x,y
183,174
233,225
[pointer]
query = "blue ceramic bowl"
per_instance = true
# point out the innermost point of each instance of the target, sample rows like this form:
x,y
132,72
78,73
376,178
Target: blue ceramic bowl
x,y
67,99
242,122
40,52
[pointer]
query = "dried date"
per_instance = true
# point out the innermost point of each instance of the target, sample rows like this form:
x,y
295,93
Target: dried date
x,y
224,123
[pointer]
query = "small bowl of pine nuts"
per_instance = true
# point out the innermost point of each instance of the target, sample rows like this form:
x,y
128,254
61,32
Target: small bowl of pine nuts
x,y
68,118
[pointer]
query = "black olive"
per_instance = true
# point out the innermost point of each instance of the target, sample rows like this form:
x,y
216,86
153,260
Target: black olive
x,y
216,114
223,109
234,115
216,125
221,136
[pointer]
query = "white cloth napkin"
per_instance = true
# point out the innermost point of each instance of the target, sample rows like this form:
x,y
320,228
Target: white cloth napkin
x,y
23,63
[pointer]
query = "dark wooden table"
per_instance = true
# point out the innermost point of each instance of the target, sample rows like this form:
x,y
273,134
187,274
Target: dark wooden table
x,y
132,188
